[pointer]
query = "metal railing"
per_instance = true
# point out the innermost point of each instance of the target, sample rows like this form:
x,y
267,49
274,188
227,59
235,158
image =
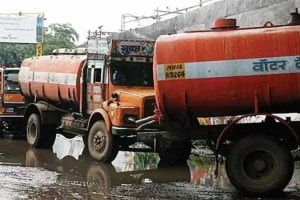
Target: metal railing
x,y
161,13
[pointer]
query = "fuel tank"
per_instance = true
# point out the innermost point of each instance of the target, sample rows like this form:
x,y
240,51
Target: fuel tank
x,y
228,72
52,78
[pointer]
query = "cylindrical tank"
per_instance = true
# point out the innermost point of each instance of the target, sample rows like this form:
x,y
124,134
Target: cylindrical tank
x,y
228,72
52,78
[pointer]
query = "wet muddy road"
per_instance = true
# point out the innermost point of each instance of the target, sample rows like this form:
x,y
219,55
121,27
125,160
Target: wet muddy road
x,y
67,172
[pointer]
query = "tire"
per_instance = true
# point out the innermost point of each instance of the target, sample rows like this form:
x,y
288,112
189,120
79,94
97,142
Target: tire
x,y
178,154
259,166
33,131
103,146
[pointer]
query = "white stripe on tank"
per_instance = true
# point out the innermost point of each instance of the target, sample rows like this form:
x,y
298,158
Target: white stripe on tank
x,y
229,68
26,76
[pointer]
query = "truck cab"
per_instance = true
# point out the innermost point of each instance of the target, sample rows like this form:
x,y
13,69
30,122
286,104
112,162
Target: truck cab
x,y
11,101
119,91
121,80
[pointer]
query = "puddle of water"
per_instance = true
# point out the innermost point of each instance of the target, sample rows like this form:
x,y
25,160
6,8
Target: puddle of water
x,y
67,171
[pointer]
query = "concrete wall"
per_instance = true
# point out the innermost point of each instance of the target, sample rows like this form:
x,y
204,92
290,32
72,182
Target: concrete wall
x,y
248,13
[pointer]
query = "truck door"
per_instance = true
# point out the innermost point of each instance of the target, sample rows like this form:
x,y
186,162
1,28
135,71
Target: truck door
x,y
95,84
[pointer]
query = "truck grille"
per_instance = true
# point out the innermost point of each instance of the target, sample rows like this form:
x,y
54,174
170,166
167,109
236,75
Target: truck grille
x,y
149,107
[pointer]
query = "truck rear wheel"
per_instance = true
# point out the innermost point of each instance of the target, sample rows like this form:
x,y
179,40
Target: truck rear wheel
x,y
179,153
38,136
258,165
103,146
33,131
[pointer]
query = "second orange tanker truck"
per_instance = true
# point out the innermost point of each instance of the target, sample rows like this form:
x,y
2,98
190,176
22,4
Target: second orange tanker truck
x,y
237,74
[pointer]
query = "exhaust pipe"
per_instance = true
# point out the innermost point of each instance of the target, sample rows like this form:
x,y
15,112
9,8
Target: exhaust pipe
x,y
144,120
142,126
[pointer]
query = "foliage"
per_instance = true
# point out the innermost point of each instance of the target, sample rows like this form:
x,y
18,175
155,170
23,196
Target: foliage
x,y
12,55
198,161
59,36
56,36
144,160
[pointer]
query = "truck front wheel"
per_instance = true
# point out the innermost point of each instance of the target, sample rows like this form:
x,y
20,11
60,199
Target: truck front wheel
x,y
258,165
103,146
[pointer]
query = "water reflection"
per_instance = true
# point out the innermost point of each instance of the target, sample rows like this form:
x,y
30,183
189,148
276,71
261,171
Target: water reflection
x,y
202,172
69,174
132,161
145,167
92,180
63,147
70,156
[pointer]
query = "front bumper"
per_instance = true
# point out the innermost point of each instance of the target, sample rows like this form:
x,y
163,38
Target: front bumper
x,y
148,135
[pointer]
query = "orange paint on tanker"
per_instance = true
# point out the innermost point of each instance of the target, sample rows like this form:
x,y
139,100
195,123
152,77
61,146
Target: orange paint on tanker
x,y
55,78
228,72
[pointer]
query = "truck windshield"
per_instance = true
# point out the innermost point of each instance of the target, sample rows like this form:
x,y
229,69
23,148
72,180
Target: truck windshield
x,y
131,74
11,80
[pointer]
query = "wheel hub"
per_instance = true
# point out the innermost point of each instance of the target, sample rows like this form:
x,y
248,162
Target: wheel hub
x,y
259,165
32,130
99,141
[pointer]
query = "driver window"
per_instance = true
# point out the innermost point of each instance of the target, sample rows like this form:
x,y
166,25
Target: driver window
x,y
97,75
94,74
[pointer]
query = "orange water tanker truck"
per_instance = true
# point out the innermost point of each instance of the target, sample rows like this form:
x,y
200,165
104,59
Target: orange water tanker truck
x,y
98,93
236,74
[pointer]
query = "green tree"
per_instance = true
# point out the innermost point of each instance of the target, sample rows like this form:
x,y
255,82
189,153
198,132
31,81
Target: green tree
x,y
59,36
12,55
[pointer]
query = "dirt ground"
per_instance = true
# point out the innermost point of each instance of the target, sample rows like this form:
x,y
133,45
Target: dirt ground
x,y
67,172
